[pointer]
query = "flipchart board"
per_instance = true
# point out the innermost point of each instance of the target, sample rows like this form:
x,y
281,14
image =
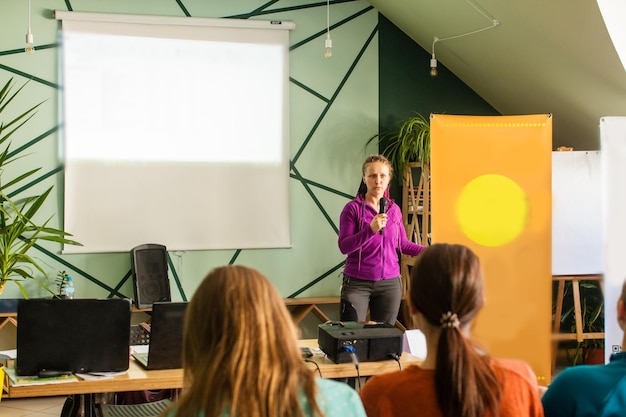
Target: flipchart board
x,y
491,191
576,213
613,146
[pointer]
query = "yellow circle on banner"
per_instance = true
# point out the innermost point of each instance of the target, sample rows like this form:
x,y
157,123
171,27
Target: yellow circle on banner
x,y
492,210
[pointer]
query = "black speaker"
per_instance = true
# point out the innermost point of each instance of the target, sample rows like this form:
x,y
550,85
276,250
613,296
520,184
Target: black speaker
x,y
150,279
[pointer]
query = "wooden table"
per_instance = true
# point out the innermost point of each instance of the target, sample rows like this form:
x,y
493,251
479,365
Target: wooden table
x,y
137,379
330,369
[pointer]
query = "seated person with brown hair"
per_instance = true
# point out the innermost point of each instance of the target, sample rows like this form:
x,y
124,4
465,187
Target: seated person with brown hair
x,y
457,379
241,355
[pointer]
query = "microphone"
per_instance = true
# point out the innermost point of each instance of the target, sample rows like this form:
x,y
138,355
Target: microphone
x,y
383,208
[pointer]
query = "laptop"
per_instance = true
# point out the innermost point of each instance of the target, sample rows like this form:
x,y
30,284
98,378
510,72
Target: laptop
x,y
78,336
166,337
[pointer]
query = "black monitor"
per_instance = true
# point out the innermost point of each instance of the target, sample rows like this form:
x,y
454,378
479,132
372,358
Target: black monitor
x,y
82,335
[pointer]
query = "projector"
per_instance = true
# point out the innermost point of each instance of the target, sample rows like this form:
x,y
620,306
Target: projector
x,y
370,342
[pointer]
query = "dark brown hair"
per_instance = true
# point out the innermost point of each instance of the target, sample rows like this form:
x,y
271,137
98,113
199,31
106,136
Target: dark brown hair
x,y
447,289
240,350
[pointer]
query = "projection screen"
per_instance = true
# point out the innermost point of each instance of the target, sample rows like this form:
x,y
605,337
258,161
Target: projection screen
x,y
175,132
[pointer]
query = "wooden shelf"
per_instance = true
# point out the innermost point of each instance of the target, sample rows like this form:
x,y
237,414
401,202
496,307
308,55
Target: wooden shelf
x,y
415,214
301,306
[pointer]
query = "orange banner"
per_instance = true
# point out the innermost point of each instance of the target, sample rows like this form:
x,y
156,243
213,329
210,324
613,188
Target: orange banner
x,y
491,191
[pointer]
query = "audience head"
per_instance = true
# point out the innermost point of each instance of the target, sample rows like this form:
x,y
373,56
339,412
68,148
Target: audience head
x,y
447,285
447,293
240,350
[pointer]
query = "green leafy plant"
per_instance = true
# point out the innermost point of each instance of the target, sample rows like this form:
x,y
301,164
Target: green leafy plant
x,y
592,313
61,280
410,143
18,231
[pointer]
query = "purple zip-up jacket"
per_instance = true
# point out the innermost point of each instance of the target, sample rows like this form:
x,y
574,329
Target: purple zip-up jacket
x,y
370,255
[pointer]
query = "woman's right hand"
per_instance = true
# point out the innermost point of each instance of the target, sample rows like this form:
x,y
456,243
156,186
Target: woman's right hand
x,y
379,222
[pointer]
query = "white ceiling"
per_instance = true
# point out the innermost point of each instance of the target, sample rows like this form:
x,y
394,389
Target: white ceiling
x,y
552,56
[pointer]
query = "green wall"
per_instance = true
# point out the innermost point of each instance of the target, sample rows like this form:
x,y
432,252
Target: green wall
x,y
406,86
376,77
333,110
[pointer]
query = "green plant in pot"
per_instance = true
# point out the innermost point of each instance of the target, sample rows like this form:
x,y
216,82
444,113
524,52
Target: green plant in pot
x,y
592,315
18,230
61,282
410,143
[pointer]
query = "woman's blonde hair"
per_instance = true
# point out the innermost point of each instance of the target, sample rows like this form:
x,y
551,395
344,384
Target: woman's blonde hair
x,y
240,351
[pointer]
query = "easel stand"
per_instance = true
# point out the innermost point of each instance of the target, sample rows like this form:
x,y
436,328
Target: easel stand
x,y
579,335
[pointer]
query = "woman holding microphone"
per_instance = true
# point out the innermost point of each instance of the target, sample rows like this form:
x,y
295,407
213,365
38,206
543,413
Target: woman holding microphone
x,y
371,235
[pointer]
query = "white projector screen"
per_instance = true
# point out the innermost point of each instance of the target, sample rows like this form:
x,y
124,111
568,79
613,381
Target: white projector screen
x,y
175,132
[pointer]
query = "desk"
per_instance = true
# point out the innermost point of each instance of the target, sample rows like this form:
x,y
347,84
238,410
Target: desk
x,y
81,393
136,379
330,369
139,379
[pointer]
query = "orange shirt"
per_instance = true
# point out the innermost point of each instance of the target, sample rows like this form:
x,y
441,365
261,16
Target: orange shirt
x,y
411,392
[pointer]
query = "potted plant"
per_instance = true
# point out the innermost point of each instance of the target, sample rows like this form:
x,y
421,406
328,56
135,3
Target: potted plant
x,y
18,231
410,143
592,320
408,151
61,282
590,351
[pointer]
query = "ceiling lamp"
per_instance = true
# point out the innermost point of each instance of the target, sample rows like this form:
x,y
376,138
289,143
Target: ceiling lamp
x,y
30,48
494,22
329,42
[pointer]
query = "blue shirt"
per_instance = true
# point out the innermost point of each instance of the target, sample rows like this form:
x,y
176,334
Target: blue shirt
x,y
588,390
335,399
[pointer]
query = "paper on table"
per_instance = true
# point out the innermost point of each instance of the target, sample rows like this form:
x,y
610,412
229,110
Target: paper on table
x,y
20,381
8,354
139,348
415,343
99,375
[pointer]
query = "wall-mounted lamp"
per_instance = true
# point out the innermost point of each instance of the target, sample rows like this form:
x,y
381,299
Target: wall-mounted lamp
x,y
328,43
494,23
30,48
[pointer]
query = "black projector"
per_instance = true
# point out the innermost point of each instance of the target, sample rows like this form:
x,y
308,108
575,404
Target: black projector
x,y
370,342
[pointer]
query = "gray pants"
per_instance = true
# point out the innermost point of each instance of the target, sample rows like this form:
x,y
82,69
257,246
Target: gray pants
x,y
382,297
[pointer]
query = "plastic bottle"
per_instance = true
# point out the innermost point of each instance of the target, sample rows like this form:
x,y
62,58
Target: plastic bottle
x,y
68,290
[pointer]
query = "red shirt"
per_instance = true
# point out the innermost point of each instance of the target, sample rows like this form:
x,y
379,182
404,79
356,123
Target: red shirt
x,y
411,392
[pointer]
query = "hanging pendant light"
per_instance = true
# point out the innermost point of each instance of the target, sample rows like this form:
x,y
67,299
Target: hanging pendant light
x,y
329,42
30,48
